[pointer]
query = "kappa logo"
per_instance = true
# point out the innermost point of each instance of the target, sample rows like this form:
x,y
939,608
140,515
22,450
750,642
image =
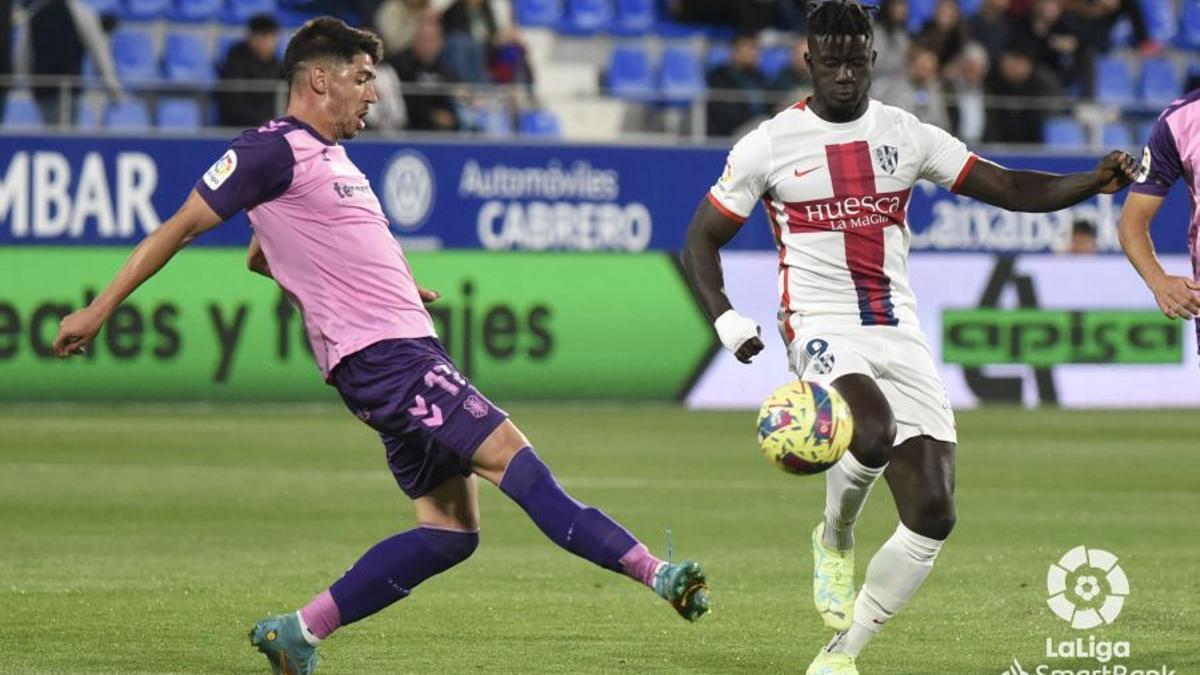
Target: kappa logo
x,y
221,170
1076,594
888,157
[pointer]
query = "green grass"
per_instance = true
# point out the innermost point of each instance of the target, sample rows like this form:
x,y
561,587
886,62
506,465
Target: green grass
x,y
148,539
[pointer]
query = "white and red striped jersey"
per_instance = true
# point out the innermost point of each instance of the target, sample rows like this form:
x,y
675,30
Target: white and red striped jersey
x,y
837,197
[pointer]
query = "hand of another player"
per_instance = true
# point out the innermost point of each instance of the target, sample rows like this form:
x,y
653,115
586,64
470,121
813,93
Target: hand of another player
x,y
740,335
1115,171
428,296
1176,296
76,331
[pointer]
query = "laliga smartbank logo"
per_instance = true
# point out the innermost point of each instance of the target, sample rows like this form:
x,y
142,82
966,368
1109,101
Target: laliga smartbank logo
x,y
1087,588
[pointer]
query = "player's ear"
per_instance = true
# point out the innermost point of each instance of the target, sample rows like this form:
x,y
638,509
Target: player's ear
x,y
318,78
874,55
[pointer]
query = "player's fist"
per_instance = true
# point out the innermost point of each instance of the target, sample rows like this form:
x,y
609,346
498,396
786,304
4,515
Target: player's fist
x,y
76,331
1176,296
428,296
1115,172
739,334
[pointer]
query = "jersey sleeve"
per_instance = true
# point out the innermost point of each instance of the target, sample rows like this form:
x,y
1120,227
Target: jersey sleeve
x,y
744,180
945,160
250,172
1161,165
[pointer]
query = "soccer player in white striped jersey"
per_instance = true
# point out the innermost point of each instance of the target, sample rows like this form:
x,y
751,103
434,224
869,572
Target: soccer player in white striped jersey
x,y
834,174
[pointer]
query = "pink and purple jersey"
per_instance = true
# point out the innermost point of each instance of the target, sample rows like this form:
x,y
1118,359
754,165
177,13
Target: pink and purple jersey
x,y
1173,152
324,235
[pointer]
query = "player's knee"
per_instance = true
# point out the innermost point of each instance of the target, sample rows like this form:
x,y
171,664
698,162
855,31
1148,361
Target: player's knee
x,y
874,435
935,517
454,546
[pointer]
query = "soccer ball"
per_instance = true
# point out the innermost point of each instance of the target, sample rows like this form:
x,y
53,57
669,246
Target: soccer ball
x,y
804,427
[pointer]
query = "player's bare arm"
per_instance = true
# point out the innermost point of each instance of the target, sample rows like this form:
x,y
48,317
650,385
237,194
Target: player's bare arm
x,y
1040,192
191,220
707,233
1176,296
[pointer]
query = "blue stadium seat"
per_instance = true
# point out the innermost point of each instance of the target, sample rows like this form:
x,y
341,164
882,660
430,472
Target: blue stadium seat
x,y
145,10
1144,129
1161,21
197,10
85,115
1161,81
1114,83
633,17
586,17
187,58
773,60
969,7
135,55
238,12
540,13
103,7
539,123
628,73
178,114
718,55
680,75
1117,136
919,11
129,115
22,112
1064,132
1189,25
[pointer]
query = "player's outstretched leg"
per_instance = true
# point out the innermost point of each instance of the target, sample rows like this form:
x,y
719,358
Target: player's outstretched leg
x,y
507,459
385,574
921,477
847,486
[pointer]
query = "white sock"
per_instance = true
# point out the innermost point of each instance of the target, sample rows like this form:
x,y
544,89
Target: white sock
x,y
893,576
308,636
847,486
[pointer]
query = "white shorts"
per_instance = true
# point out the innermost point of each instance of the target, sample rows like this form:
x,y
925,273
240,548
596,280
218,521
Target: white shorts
x,y
899,361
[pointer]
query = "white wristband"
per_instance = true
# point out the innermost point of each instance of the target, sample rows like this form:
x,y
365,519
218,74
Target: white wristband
x,y
734,330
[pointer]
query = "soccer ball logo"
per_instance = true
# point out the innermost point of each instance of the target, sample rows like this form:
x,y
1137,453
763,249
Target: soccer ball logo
x,y
1087,587
804,428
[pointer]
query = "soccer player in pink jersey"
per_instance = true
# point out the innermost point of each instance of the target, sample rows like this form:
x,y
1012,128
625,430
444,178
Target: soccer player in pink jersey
x,y
834,174
320,233
1173,152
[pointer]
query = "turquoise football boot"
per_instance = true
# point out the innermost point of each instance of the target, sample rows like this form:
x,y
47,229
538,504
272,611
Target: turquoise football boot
x,y
833,582
685,587
280,639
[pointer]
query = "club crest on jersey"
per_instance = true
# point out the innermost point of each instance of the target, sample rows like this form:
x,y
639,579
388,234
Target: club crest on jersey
x,y
888,157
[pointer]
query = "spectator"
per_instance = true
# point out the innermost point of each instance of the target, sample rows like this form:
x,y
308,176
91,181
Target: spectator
x,y
1093,21
794,81
968,107
992,28
945,33
1020,113
737,89
396,22
422,67
59,33
1057,49
891,40
922,93
1083,238
6,50
470,29
255,58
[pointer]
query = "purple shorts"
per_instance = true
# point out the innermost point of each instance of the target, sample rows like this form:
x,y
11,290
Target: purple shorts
x,y
430,418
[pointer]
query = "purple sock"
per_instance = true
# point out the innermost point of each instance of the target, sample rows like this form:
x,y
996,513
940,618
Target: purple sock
x,y
580,529
388,572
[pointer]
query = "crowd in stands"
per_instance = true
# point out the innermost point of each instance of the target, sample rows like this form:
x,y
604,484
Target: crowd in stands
x,y
991,71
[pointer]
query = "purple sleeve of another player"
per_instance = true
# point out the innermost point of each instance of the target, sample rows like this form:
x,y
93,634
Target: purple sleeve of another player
x,y
1161,166
256,168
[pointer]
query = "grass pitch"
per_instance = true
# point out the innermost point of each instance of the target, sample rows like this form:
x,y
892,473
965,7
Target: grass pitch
x,y
148,540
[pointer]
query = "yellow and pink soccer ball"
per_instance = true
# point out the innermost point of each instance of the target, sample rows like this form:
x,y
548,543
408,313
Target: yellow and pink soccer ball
x,y
804,427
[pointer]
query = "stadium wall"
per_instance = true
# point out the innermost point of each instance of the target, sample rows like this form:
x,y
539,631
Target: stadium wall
x,y
559,281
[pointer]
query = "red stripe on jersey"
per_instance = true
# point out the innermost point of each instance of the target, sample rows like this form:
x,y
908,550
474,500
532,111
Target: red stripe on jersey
x,y
785,300
725,211
962,175
801,104
853,176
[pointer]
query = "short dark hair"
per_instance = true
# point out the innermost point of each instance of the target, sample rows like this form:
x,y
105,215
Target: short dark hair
x,y
839,18
325,37
262,23
1083,226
